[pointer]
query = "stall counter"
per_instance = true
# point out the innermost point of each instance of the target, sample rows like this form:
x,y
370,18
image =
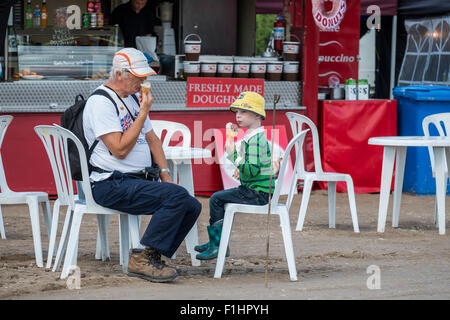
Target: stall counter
x,y
26,164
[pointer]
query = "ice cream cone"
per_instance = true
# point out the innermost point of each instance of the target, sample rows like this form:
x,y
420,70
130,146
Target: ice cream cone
x,y
145,87
231,131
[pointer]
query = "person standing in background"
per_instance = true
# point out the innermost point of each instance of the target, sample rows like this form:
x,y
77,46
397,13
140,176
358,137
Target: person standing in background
x,y
135,18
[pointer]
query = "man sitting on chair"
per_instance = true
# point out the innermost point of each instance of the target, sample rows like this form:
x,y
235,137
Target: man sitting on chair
x,y
126,146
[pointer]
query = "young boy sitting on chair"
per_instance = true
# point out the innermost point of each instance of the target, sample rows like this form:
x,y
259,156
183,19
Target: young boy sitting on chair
x,y
253,164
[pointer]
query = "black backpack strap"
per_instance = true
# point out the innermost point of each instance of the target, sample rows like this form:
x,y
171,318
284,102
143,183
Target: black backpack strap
x,y
101,92
92,148
135,99
79,97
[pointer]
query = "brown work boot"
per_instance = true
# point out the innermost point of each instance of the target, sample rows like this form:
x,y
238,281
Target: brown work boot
x,y
147,264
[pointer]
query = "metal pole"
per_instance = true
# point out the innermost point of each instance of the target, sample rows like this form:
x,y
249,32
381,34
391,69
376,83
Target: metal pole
x,y
5,56
393,54
10,24
276,98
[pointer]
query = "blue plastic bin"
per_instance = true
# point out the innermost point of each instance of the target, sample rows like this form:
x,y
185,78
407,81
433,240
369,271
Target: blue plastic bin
x,y
414,103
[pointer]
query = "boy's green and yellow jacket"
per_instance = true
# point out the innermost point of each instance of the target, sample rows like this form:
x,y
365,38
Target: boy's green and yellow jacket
x,y
253,161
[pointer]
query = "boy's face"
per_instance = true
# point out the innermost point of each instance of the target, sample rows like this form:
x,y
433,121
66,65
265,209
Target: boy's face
x,y
247,119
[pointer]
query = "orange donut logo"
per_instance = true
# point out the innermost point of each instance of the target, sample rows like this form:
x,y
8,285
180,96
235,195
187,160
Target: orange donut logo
x,y
329,20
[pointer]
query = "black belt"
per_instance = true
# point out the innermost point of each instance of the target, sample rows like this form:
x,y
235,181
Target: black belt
x,y
97,169
140,174
137,175
149,173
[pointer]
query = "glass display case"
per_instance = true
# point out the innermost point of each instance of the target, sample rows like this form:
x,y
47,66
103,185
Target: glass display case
x,y
65,62
59,53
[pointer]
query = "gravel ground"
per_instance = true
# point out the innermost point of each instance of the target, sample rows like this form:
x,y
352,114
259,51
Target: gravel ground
x,y
412,261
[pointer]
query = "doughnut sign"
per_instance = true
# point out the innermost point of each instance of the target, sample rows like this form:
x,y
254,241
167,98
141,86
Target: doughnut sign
x,y
339,40
328,20
204,92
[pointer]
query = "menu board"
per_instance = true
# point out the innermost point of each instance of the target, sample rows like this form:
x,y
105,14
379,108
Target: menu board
x,y
219,92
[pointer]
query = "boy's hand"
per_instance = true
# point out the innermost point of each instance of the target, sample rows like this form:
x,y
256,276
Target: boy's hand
x,y
276,165
236,174
229,146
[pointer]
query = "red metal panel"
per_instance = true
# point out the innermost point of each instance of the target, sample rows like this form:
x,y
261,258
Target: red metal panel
x,y
345,129
310,73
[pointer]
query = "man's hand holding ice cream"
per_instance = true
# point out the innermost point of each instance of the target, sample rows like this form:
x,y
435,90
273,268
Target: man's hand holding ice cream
x,y
146,98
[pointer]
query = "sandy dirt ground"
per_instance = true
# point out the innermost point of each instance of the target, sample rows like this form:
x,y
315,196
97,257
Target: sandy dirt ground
x,y
413,260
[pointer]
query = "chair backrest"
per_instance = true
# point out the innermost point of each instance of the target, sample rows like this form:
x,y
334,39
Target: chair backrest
x,y
85,182
4,123
172,127
297,140
442,123
54,145
297,121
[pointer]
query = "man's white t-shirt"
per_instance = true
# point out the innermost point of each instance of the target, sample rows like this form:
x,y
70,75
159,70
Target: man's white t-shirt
x,y
99,118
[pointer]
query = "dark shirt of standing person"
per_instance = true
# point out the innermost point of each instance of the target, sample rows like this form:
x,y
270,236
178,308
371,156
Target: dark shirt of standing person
x,y
135,18
5,7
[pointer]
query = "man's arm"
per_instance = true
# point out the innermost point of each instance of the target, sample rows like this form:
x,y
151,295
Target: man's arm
x,y
159,158
121,143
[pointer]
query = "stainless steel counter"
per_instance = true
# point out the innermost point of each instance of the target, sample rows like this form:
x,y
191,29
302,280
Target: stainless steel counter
x,y
57,96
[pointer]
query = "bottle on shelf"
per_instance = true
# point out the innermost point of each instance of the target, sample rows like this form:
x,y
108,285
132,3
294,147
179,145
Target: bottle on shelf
x,y
44,14
97,6
29,15
37,16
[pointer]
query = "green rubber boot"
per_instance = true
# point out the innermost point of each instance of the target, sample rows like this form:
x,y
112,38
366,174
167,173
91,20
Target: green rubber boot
x,y
214,233
201,247
204,247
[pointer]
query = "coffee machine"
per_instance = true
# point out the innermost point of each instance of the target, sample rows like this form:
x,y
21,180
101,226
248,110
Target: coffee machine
x,y
165,32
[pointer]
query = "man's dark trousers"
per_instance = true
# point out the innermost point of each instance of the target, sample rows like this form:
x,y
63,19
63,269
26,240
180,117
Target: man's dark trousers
x,y
174,211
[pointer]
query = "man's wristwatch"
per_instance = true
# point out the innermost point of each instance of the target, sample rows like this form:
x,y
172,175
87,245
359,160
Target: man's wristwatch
x,y
165,170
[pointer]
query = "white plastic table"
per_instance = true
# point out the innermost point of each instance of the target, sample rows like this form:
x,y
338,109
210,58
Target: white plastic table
x,y
395,147
179,160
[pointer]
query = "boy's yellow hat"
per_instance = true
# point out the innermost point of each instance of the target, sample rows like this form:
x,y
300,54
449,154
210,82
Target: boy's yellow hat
x,y
249,101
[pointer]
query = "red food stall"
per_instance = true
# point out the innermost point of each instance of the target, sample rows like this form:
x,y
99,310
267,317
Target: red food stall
x,y
42,102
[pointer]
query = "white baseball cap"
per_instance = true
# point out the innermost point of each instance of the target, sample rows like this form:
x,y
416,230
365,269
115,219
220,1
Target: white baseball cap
x,y
134,61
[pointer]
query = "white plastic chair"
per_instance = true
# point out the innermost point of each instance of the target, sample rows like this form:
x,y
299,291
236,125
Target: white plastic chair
x,y
441,121
277,208
32,199
296,121
52,142
172,128
159,126
61,168
53,146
